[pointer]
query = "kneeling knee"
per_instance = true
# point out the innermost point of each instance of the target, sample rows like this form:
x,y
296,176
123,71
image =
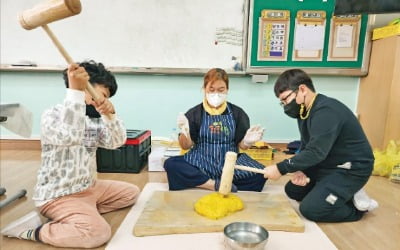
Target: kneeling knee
x,y
133,195
105,233
99,235
312,212
294,195
168,164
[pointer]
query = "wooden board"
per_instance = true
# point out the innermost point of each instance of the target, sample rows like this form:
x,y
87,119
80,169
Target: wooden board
x,y
172,212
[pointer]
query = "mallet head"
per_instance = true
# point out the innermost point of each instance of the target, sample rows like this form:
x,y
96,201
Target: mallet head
x,y
49,11
227,173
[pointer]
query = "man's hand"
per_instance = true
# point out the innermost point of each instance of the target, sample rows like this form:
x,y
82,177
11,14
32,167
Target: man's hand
x,y
299,178
272,172
77,77
104,107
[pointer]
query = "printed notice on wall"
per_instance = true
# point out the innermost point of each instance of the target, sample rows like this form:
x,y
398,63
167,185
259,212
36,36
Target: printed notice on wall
x,y
344,36
273,35
309,37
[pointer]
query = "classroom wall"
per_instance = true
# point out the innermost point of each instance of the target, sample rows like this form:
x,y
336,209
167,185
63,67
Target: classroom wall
x,y
153,101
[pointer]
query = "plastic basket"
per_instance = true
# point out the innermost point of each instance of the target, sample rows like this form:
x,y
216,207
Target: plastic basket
x,y
259,153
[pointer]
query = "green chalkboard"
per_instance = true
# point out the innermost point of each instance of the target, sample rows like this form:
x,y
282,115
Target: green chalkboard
x,y
357,67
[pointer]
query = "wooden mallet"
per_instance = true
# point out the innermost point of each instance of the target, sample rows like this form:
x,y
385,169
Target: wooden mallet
x,y
50,11
228,171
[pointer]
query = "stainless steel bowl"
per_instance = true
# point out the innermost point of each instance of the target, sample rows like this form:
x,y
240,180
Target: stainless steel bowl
x,y
245,235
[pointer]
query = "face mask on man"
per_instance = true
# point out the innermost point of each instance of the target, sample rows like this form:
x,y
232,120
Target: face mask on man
x,y
92,112
215,99
292,109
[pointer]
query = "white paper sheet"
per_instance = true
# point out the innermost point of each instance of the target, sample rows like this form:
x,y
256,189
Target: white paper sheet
x,y
344,36
309,37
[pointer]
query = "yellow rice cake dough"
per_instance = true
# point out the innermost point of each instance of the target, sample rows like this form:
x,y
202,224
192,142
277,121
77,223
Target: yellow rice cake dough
x,y
215,205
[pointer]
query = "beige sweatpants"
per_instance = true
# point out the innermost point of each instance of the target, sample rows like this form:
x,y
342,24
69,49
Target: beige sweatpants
x,y
76,221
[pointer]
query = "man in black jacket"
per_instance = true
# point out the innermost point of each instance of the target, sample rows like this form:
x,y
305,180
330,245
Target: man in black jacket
x,y
335,159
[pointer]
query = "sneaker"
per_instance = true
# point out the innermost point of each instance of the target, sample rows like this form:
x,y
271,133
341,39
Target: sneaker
x,y
29,221
363,202
218,183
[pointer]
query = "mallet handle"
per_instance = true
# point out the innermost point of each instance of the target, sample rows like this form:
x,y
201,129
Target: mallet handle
x,y
69,60
250,169
256,170
16,196
57,43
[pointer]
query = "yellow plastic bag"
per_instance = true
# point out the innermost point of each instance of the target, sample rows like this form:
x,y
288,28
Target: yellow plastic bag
x,y
385,161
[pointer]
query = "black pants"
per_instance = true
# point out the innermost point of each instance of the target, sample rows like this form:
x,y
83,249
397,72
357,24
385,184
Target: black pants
x,y
183,175
329,197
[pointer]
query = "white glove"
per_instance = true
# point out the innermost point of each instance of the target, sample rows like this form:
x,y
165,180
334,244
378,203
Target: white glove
x,y
253,134
183,124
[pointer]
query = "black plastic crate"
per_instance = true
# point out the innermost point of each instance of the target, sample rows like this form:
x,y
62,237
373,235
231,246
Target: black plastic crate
x,y
130,158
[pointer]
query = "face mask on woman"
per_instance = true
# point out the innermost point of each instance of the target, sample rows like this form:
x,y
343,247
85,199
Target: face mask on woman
x,y
216,99
292,109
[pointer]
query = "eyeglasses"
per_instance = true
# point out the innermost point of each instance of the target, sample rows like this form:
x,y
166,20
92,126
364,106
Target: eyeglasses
x,y
283,101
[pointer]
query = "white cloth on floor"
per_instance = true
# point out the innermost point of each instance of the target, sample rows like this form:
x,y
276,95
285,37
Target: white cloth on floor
x,y
312,238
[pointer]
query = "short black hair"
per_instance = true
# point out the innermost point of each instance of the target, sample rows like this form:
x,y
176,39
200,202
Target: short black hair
x,y
98,75
291,80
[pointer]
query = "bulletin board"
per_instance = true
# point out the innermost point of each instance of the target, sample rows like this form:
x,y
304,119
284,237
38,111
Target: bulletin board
x,y
177,36
317,41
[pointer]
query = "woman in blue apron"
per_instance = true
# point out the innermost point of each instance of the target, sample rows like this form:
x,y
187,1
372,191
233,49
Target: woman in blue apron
x,y
209,130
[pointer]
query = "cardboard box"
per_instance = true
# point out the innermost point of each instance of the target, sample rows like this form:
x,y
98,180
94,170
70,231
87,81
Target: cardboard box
x,y
386,31
156,159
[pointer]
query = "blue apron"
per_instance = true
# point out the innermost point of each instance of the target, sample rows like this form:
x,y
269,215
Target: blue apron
x,y
216,137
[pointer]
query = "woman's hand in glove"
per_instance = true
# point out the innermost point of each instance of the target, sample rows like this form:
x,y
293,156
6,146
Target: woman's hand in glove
x,y
183,124
253,134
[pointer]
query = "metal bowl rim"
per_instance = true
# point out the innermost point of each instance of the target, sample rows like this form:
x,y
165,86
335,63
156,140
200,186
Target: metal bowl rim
x,y
262,232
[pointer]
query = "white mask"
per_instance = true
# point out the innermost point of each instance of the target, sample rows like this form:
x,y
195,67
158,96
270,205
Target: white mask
x,y
215,99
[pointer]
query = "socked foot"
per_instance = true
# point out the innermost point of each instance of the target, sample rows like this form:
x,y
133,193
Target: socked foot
x,y
363,202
